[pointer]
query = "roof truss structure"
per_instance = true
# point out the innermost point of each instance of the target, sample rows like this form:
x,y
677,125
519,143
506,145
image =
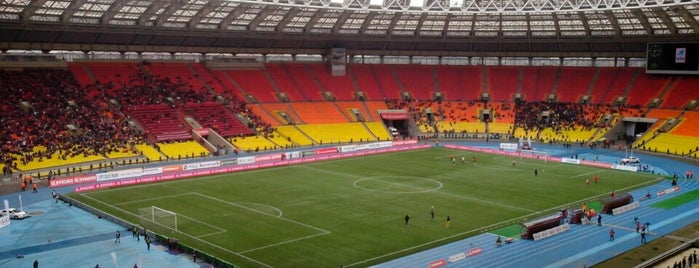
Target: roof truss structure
x,y
402,27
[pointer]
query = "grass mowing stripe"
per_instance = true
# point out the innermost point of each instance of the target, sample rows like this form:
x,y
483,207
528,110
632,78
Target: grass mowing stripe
x,y
677,200
363,227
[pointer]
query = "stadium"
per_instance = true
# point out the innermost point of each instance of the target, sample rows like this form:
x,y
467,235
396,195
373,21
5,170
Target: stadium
x,y
460,133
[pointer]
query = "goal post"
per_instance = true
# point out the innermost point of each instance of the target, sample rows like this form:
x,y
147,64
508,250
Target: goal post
x,y
531,154
159,216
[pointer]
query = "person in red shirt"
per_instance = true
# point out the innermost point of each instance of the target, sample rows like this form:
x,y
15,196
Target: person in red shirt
x,y
611,234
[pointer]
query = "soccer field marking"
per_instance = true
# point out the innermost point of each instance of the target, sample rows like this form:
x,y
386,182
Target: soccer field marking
x,y
473,199
219,229
283,243
474,231
418,189
151,199
322,231
264,213
588,173
279,211
184,234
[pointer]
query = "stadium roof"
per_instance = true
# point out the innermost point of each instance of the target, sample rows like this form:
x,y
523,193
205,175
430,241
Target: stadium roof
x,y
527,28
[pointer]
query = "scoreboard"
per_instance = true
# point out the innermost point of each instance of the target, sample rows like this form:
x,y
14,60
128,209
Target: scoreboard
x,y
672,58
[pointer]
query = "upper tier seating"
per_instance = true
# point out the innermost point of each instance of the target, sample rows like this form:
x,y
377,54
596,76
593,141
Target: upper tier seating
x,y
285,82
340,86
537,82
503,82
611,83
367,82
645,88
681,92
253,82
305,82
574,83
418,80
387,81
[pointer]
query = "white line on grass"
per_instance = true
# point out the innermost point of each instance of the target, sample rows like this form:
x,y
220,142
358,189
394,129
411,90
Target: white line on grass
x,y
524,217
588,173
151,199
186,234
220,230
472,199
322,231
263,213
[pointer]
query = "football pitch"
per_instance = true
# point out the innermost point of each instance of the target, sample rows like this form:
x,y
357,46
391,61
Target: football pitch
x,y
351,212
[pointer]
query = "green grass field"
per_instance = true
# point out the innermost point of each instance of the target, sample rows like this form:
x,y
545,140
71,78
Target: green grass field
x,y
350,212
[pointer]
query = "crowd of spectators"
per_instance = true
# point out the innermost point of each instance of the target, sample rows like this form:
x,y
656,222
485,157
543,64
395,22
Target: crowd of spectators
x,y
47,114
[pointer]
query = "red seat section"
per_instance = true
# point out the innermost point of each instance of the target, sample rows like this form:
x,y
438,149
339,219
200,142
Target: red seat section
x,y
208,77
366,80
503,82
253,82
418,80
215,116
537,82
340,86
282,77
161,122
574,82
387,81
611,84
645,88
682,91
305,82
178,73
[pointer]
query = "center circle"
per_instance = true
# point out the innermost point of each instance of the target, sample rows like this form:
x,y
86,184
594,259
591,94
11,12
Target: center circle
x,y
398,184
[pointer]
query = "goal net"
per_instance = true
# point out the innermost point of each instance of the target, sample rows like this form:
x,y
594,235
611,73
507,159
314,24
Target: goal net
x,y
159,216
534,155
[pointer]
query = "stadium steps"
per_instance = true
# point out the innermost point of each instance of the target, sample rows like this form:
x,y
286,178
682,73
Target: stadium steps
x,y
343,88
286,82
676,97
150,152
266,115
369,81
593,82
319,112
396,77
270,78
505,88
689,125
296,135
254,143
631,83
386,81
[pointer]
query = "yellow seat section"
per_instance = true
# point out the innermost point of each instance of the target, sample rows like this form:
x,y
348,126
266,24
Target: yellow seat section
x,y
280,140
296,136
254,143
379,130
337,133
149,152
576,134
122,153
458,127
57,159
673,144
183,149
500,128
524,134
